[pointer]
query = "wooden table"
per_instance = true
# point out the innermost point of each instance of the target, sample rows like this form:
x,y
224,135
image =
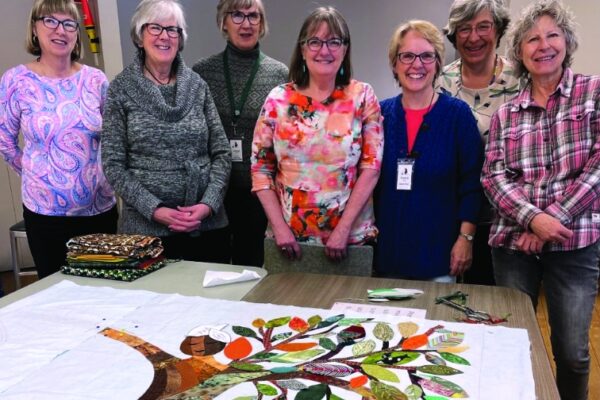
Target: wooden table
x,y
321,291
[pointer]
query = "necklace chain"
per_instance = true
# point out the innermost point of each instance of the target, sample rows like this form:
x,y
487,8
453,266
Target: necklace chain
x,y
156,79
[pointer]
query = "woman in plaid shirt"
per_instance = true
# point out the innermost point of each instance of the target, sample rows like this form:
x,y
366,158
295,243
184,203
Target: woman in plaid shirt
x,y
542,173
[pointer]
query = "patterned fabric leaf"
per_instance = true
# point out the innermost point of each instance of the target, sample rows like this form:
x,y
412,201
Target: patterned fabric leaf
x,y
314,320
283,370
299,325
380,373
414,342
277,322
456,349
444,387
434,359
330,321
435,398
323,369
407,329
297,356
246,366
292,384
391,358
365,347
243,331
246,398
258,323
383,332
351,334
446,340
359,381
315,392
453,358
295,346
438,370
334,397
263,356
281,336
229,379
237,349
386,392
327,344
267,390
353,321
413,392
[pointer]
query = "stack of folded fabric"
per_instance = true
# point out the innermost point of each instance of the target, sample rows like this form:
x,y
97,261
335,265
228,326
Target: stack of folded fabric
x,y
113,256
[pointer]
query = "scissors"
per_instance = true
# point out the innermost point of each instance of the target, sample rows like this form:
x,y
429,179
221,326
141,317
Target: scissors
x,y
458,301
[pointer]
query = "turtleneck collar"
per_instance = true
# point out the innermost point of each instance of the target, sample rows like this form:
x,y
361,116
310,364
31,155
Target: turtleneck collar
x,y
251,54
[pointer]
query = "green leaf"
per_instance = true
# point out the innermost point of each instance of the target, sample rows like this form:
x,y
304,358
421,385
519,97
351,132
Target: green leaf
x,y
291,384
364,347
386,392
315,392
334,397
438,370
267,390
435,398
246,366
380,373
263,356
283,370
453,358
413,392
274,323
246,398
243,331
327,344
392,358
297,356
353,321
314,320
231,379
329,321
383,332
281,336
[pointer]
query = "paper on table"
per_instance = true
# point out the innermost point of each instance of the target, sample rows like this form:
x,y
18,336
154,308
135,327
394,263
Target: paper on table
x,y
373,309
216,278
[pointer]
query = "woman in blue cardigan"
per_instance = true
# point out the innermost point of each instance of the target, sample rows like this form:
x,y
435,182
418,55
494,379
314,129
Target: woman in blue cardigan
x,y
429,195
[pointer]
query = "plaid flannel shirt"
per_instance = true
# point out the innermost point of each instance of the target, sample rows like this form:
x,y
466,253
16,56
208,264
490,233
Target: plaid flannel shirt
x,y
546,160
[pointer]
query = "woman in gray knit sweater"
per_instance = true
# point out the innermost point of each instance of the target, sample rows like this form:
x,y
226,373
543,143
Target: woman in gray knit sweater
x,y
164,150
240,78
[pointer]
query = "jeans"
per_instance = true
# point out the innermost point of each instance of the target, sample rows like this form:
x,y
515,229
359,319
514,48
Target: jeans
x,y
571,284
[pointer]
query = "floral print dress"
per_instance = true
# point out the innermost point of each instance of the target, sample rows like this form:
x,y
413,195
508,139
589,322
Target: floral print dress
x,y
311,154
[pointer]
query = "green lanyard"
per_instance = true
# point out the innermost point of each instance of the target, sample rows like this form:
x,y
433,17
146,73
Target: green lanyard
x,y
236,109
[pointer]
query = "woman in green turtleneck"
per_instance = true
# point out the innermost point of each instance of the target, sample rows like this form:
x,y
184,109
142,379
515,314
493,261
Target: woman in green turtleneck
x,y
240,78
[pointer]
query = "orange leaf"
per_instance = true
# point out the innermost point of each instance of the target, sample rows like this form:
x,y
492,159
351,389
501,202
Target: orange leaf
x,y
258,323
298,346
414,342
237,349
298,324
358,381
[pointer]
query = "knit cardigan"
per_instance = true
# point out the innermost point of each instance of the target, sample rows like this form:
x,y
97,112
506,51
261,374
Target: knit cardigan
x,y
270,74
157,151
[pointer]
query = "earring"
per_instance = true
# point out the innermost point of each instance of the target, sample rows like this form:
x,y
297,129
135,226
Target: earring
x,y
35,40
304,67
342,71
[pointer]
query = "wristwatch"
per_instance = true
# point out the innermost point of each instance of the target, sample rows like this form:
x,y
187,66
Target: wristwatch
x,y
467,236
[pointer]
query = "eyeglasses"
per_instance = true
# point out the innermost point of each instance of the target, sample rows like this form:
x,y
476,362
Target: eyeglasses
x,y
156,30
238,17
427,57
482,29
315,44
69,25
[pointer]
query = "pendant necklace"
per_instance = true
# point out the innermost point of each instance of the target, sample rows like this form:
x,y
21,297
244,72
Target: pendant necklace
x,y
156,79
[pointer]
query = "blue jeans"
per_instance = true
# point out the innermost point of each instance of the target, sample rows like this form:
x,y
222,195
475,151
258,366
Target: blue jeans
x,y
571,284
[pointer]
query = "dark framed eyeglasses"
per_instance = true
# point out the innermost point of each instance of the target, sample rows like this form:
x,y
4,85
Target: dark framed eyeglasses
x,y
238,17
407,57
69,25
156,30
333,44
483,29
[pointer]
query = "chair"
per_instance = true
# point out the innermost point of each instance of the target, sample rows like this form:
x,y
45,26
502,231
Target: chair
x,y
17,232
359,261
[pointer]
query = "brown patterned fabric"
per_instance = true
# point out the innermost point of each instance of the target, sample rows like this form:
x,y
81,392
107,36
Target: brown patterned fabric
x,y
129,246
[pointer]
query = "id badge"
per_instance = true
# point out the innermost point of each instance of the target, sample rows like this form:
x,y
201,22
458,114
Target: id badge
x,y
404,174
236,150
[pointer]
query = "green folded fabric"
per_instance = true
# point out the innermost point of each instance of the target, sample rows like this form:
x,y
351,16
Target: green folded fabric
x,y
119,274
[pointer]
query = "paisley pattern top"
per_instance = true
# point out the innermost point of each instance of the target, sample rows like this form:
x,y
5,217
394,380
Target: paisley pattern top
x,y
311,153
60,119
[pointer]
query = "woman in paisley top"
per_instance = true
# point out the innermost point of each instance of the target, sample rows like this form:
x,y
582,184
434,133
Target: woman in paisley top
x,y
56,102
318,144
485,81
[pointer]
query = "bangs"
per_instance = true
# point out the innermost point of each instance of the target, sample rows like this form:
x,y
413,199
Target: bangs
x,y
49,7
333,25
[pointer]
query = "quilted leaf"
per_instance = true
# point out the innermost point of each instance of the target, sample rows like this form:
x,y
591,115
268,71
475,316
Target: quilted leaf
x,y
383,332
438,370
446,340
246,398
329,321
386,392
359,381
414,342
277,322
237,349
297,356
327,344
243,331
353,321
327,369
351,334
456,349
434,359
314,320
291,384
453,358
281,336
232,379
391,358
258,323
299,325
365,347
407,329
413,392
295,346
263,356
246,366
380,373
267,390
444,387
283,370
315,392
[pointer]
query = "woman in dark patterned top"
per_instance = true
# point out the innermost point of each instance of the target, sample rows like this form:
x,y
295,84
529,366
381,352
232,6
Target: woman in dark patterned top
x,y
240,78
163,146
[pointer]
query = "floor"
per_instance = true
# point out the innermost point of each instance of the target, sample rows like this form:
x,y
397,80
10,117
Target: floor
x,y
9,286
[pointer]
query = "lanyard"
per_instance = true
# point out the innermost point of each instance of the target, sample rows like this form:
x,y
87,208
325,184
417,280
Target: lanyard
x,y
236,109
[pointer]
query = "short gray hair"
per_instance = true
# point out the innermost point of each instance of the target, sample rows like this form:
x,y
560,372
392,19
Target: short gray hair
x,y
157,10
462,11
226,6
563,18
